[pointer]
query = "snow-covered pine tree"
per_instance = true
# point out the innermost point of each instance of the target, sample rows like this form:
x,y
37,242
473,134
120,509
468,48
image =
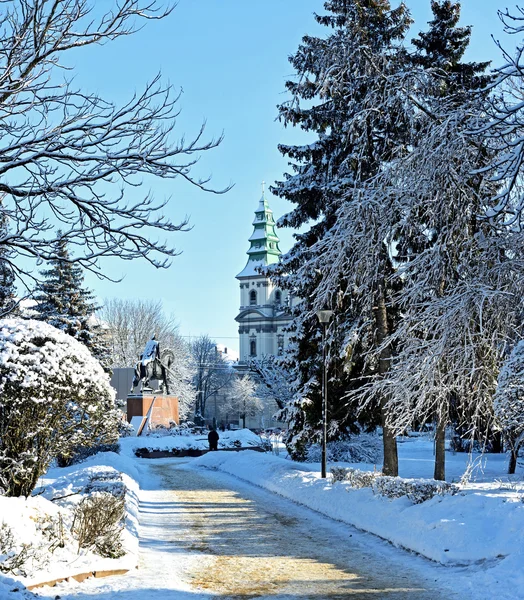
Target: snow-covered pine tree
x,y
346,94
64,302
509,403
438,202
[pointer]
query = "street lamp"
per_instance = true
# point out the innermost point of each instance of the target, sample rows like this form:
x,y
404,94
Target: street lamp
x,y
324,317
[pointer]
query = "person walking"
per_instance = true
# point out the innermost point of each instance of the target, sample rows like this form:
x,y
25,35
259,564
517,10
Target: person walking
x,y
212,438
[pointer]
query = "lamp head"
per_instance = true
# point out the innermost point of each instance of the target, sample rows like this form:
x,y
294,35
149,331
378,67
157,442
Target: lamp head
x,y
324,316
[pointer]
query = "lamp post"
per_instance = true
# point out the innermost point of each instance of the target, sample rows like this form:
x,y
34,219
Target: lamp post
x,y
324,317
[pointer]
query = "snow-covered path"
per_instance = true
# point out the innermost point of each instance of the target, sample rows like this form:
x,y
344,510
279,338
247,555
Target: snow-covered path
x,y
205,534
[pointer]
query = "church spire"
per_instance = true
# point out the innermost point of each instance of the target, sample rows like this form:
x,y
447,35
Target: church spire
x,y
264,249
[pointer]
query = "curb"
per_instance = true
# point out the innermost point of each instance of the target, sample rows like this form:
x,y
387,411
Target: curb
x,y
78,577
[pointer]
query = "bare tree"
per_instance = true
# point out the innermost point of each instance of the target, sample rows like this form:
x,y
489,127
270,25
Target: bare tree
x,y
213,373
67,156
243,399
509,403
129,324
274,380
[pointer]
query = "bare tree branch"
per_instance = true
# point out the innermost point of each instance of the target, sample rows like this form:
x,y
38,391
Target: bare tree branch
x,y
68,157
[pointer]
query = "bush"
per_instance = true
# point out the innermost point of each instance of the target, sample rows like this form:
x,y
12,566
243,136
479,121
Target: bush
x,y
356,478
109,481
265,444
363,448
14,558
338,474
54,397
98,524
82,453
417,490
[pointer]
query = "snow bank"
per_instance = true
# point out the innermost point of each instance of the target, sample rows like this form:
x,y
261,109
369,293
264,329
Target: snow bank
x,y
35,520
13,590
483,523
164,441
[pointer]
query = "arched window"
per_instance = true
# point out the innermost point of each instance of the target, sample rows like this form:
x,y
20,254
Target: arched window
x,y
252,297
278,297
280,345
253,348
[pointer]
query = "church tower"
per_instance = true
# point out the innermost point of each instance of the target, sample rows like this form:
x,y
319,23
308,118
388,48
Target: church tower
x,y
263,307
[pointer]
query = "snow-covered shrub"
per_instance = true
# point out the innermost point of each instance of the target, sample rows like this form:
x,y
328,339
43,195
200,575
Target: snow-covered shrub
x,y
417,490
54,397
509,402
266,444
15,558
98,524
363,448
106,481
82,453
338,474
356,478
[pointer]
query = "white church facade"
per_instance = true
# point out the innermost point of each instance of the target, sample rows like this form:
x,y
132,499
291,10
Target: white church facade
x,y
264,308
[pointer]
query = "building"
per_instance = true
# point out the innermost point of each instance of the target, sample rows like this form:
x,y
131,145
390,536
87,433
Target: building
x,y
264,308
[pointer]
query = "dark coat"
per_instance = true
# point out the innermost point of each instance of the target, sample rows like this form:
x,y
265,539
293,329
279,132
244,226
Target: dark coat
x,y
212,438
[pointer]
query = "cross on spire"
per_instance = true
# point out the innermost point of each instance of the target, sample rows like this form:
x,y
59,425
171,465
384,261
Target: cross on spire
x,y
263,190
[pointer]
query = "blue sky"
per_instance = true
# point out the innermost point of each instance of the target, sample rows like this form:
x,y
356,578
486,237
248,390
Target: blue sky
x,y
230,58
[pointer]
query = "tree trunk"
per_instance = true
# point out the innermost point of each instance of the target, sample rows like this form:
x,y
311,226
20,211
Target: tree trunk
x,y
389,441
243,421
440,449
513,455
497,446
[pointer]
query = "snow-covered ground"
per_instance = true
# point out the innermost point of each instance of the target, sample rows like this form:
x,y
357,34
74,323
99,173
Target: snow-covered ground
x,y
480,529
240,438
44,521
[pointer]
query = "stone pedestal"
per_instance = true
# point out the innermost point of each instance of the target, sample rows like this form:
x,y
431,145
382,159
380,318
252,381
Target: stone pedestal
x,y
161,409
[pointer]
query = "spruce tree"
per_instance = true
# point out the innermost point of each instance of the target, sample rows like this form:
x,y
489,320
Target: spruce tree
x,y
64,302
439,191
346,93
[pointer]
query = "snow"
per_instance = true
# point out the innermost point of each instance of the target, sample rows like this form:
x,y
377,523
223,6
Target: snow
x,y
164,441
251,269
482,525
476,534
67,487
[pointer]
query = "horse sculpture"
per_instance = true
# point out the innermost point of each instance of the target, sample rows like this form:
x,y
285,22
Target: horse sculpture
x,y
154,369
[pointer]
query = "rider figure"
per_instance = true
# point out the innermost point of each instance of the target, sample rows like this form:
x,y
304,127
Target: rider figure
x,y
151,351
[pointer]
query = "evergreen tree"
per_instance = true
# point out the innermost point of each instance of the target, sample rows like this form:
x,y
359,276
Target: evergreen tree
x,y
347,94
446,356
64,303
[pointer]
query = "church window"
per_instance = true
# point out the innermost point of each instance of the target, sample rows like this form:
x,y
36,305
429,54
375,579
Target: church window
x,y
253,348
252,297
278,296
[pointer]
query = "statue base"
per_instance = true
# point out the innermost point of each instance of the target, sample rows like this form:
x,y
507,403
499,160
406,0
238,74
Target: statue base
x,y
158,409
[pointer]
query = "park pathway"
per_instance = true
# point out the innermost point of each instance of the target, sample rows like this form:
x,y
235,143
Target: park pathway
x,y
207,535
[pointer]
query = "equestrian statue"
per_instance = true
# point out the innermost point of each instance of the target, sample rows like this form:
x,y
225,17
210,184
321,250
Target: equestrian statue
x,y
153,366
